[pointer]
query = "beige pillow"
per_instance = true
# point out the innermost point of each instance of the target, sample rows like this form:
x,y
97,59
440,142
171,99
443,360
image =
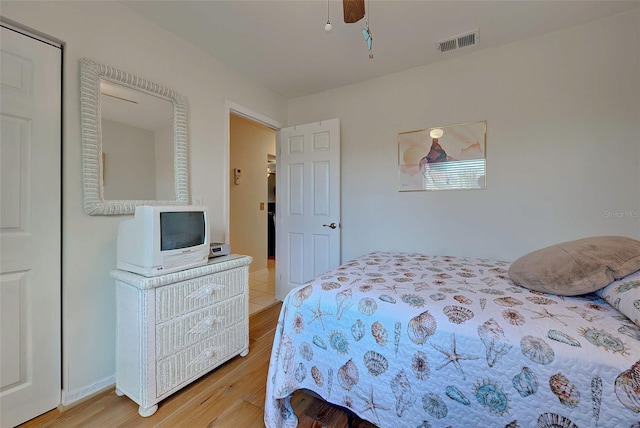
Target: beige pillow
x,y
577,267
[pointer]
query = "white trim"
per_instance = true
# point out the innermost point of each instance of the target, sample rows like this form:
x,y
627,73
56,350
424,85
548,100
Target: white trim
x,y
78,394
252,115
8,24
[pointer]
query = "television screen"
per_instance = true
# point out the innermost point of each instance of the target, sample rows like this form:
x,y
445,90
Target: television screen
x,y
181,229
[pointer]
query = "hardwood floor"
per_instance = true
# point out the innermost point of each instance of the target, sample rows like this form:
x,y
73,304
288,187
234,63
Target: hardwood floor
x,y
230,396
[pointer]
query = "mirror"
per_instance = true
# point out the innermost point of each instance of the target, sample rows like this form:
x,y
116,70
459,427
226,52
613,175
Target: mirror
x,y
134,125
134,142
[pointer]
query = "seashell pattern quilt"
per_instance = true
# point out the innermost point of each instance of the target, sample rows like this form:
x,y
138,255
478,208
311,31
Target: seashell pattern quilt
x,y
412,340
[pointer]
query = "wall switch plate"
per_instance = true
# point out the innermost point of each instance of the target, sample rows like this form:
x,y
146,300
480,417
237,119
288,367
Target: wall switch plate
x,y
261,206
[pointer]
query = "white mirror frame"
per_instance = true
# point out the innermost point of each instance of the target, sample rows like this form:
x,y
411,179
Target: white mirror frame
x,y
92,168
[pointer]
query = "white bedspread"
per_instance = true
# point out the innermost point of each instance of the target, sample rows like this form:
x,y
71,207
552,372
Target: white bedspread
x,y
409,340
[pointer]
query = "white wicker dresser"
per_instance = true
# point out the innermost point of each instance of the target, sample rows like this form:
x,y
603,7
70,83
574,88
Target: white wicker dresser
x,y
172,329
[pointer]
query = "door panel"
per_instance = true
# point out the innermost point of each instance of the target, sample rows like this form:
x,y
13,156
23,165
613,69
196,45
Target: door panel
x,y
321,251
30,235
320,192
308,202
12,285
296,258
15,143
296,189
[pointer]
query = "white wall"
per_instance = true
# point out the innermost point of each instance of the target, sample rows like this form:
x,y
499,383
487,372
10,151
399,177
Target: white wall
x,y
111,33
563,145
250,143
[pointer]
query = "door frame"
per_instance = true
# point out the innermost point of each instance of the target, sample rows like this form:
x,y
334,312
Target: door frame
x,y
229,108
34,34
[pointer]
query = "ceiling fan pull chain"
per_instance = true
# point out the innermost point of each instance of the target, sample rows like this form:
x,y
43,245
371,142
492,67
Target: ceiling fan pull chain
x,y
366,33
328,26
368,37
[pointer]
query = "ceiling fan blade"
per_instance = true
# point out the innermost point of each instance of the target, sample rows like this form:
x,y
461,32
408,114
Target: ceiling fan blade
x,y
353,10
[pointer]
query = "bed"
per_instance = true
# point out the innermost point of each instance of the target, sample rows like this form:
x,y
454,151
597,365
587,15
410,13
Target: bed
x,y
414,340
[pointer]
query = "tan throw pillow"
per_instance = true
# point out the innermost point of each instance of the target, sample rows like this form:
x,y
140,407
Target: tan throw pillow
x,y
577,267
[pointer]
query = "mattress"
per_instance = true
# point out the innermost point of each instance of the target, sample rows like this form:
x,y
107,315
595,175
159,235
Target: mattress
x,y
413,340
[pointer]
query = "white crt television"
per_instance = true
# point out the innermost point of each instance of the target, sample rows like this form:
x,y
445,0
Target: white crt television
x,y
163,239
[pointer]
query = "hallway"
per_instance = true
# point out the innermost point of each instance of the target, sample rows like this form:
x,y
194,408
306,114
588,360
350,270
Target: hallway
x,y
262,288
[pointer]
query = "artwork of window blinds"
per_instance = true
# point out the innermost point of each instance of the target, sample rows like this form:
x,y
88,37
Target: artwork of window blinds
x,y
466,174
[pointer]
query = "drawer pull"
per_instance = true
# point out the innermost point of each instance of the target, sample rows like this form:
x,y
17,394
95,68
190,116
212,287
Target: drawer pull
x,y
203,357
205,325
205,292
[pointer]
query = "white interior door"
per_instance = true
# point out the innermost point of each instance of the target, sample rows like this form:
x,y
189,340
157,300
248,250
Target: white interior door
x,y
308,208
30,230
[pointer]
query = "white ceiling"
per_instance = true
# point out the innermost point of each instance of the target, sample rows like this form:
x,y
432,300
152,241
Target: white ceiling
x,y
282,44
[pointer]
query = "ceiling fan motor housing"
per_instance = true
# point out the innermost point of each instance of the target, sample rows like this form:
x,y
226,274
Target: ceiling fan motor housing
x,y
353,10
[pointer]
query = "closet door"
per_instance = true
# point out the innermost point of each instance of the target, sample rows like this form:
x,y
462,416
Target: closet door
x,y
30,227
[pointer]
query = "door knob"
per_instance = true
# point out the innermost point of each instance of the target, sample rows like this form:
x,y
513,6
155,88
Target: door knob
x,y
332,225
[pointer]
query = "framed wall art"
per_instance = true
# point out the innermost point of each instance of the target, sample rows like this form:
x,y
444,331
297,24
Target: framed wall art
x,y
451,157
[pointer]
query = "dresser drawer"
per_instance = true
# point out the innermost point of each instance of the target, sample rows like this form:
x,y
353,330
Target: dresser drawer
x,y
196,360
186,330
186,296
174,328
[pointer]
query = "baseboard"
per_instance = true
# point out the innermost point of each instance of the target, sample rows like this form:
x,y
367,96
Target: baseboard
x,y
71,398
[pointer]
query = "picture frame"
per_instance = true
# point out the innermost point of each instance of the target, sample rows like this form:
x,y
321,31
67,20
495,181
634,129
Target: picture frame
x,y
451,157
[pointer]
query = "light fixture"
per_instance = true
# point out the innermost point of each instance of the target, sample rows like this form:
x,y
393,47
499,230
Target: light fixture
x,y
436,133
328,26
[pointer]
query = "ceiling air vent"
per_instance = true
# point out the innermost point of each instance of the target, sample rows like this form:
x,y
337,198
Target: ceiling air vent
x,y
458,42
